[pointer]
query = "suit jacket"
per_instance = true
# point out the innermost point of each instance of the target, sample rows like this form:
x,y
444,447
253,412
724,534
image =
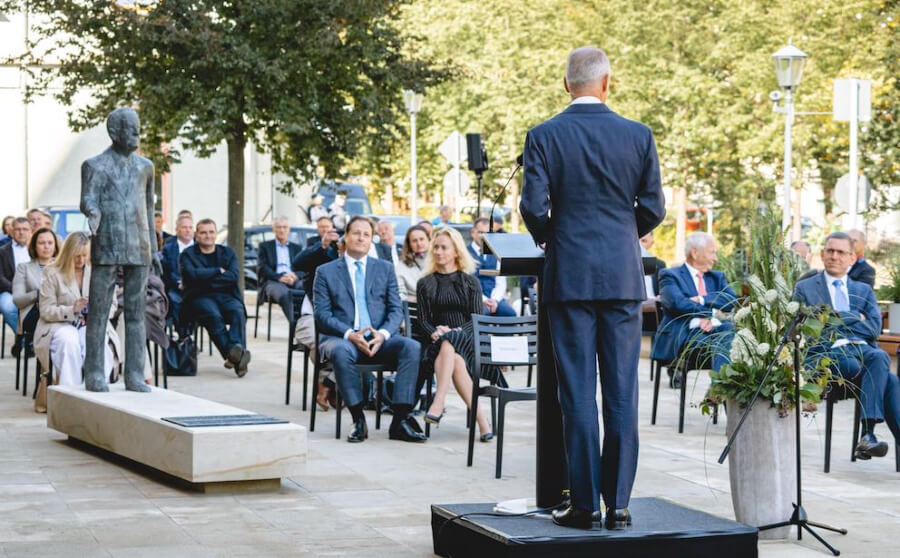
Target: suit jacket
x,y
26,286
268,260
7,267
482,262
813,291
313,240
676,287
863,272
200,280
335,301
599,173
56,308
117,200
171,272
384,251
310,259
658,266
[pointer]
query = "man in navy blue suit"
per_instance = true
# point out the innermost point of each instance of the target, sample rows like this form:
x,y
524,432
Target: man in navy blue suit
x,y
494,303
599,174
277,279
852,346
172,249
693,296
358,313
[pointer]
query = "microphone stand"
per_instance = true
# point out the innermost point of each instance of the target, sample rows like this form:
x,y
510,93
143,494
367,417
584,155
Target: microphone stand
x,y
502,190
799,517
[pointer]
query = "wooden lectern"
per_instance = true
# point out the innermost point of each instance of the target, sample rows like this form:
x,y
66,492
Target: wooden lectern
x,y
518,255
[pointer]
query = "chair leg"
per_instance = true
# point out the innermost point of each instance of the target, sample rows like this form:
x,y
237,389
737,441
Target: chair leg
x,y
683,398
856,419
530,370
429,384
19,361
715,415
473,420
305,376
269,324
287,384
337,419
25,377
315,394
655,391
378,383
498,436
210,345
256,317
3,340
829,417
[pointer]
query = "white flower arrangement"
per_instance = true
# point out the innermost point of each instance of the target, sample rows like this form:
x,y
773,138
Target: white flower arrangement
x,y
792,307
763,349
742,313
770,297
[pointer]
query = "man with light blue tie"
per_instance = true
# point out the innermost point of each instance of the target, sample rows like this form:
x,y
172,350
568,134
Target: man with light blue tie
x,y
591,189
852,345
358,313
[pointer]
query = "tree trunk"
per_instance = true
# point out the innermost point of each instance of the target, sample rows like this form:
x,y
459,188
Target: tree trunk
x,y
236,201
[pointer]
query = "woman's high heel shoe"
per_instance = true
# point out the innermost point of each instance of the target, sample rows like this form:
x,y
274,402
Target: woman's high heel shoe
x,y
435,419
487,437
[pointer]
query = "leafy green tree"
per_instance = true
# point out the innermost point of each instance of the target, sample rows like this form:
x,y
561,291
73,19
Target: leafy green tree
x,y
307,81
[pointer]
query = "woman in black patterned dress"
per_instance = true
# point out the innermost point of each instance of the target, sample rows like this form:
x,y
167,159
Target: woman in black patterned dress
x,y
447,296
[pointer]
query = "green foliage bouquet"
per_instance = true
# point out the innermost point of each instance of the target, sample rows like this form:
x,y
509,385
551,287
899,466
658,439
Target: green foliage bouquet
x,y
765,277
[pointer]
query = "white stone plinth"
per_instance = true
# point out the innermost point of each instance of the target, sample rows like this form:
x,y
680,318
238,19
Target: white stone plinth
x,y
129,424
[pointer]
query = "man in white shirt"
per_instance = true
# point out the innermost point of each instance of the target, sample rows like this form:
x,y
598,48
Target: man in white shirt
x,y
12,254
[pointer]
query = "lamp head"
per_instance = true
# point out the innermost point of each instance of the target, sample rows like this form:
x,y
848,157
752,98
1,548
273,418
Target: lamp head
x,y
789,62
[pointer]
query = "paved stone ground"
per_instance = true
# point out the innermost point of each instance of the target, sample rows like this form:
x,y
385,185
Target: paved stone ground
x,y
372,499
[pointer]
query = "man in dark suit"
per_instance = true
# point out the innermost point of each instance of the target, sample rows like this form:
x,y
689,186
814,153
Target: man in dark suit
x,y
387,247
324,225
494,302
212,298
693,296
12,254
172,249
358,314
861,270
275,267
852,346
600,174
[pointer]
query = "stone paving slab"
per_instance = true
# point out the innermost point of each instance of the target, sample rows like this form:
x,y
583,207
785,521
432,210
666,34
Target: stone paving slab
x,y
372,499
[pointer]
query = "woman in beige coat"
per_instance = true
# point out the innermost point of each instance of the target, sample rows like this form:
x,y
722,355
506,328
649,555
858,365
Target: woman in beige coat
x,y
59,336
26,285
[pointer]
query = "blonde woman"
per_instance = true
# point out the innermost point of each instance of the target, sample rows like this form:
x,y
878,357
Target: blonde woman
x,y
411,265
448,295
63,304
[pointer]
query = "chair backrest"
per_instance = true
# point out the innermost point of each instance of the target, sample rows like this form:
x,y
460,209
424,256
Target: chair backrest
x,y
297,303
484,328
411,320
532,300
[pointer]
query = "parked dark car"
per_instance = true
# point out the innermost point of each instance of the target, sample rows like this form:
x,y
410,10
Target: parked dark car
x,y
357,202
260,233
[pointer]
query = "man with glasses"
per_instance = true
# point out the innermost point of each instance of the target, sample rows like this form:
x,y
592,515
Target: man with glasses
x,y
852,345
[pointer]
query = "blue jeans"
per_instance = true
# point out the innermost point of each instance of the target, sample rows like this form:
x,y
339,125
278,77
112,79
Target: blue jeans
x,y
504,310
9,311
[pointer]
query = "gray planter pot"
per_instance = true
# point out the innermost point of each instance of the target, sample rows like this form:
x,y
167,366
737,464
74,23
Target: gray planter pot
x,y
762,468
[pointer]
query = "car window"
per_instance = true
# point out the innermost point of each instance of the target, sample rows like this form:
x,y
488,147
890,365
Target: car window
x,y
356,206
68,222
254,238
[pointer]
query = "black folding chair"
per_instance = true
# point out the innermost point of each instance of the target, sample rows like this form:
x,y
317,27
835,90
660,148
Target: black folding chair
x,y
691,359
261,299
294,345
484,328
411,327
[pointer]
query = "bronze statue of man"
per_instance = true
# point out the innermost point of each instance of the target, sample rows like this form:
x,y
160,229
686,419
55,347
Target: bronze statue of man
x,y
117,198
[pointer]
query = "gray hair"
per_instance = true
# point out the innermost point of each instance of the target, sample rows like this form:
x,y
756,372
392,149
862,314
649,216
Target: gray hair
x,y
586,65
698,240
280,219
386,223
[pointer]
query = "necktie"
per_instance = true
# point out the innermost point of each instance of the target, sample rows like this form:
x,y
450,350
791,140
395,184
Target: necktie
x,y
841,304
362,309
701,286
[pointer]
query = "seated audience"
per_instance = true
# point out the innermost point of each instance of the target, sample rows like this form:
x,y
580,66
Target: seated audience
x,y
411,264
209,273
429,228
172,249
6,230
852,346
158,223
693,296
59,336
36,218
324,225
651,281
11,255
358,315
42,248
493,287
275,267
387,248
448,295
861,270
445,216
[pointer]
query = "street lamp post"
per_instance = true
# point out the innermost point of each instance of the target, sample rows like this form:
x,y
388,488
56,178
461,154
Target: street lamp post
x,y
789,62
413,102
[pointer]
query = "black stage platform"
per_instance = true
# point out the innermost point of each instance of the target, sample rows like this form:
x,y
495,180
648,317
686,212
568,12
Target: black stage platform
x,y
660,528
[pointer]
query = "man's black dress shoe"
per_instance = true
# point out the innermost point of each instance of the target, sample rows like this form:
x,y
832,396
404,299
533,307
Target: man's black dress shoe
x,y
404,431
572,517
869,447
359,432
617,519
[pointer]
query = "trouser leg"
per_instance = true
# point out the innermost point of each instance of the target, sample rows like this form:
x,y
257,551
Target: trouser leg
x,y
343,356
234,316
135,326
404,353
573,327
280,294
66,355
102,289
206,313
9,311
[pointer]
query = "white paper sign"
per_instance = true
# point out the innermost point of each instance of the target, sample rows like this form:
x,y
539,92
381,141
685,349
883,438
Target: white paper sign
x,y
509,349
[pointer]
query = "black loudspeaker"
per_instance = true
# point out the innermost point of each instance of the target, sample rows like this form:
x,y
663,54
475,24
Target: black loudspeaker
x,y
478,161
